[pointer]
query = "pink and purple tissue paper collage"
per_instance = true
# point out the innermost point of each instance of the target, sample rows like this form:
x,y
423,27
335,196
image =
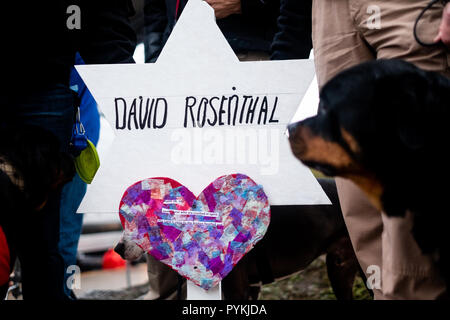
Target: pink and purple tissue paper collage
x,y
204,237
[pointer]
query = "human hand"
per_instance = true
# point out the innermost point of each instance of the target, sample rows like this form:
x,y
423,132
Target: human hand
x,y
224,8
444,29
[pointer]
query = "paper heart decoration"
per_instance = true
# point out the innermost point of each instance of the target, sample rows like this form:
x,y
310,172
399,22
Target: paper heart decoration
x,y
203,237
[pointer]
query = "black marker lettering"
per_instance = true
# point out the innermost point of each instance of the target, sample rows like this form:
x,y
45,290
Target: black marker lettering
x,y
271,120
221,111
132,113
251,111
236,105
142,122
263,110
163,123
241,118
149,125
189,106
203,102
124,113
214,110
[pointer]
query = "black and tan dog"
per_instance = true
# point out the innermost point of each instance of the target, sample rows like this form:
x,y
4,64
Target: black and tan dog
x,y
385,126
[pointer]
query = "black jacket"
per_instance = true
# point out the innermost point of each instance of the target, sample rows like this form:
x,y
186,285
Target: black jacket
x,y
293,39
253,30
38,48
281,27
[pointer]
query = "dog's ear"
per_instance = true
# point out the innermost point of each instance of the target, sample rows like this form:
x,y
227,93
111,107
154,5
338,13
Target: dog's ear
x,y
411,131
404,98
422,116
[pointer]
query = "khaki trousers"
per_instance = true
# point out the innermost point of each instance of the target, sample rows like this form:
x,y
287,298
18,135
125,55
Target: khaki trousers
x,y
346,33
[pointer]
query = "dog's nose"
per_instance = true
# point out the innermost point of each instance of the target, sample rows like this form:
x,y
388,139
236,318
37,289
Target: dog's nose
x,y
292,128
120,249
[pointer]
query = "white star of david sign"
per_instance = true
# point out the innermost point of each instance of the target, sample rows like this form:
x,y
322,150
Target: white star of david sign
x,y
199,113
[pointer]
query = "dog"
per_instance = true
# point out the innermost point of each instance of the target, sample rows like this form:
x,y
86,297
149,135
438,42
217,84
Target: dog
x,y
383,125
296,236
31,168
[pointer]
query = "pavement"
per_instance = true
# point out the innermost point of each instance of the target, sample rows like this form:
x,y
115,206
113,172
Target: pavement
x,y
109,283
112,279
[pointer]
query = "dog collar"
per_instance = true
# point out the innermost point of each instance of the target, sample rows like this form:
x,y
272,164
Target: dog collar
x,y
12,174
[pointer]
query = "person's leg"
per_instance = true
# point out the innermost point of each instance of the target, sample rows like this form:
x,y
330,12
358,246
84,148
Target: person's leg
x,y
70,225
42,266
338,46
406,272
337,43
